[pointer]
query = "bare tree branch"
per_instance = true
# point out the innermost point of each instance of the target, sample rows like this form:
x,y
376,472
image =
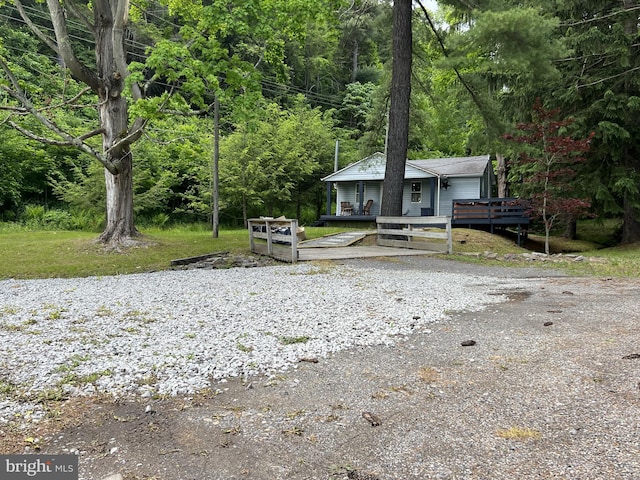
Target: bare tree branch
x,y
70,101
135,132
608,78
50,42
602,17
92,133
67,140
73,8
65,48
474,96
120,21
38,138
15,110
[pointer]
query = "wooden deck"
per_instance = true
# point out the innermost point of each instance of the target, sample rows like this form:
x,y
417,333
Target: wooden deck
x,y
492,213
343,253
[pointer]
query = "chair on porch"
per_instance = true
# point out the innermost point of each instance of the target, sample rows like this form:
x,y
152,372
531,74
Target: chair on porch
x,y
346,208
366,210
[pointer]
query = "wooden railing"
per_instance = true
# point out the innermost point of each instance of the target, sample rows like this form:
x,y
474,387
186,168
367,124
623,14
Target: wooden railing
x,y
280,238
416,232
490,211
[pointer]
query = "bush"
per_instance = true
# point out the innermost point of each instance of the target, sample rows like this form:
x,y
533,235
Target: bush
x,y
37,217
86,220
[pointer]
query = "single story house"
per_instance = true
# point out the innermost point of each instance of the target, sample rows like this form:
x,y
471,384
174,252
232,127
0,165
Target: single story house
x,y
430,186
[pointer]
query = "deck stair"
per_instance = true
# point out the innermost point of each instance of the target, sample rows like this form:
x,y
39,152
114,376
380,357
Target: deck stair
x,y
343,239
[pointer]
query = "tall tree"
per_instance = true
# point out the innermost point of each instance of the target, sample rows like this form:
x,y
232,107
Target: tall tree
x,y
601,88
547,165
215,50
271,163
399,109
107,20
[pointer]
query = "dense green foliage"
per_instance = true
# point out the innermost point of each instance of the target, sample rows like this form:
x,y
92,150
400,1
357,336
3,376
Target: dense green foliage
x,y
295,76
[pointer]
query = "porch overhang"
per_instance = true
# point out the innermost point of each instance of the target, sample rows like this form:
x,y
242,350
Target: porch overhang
x,y
342,219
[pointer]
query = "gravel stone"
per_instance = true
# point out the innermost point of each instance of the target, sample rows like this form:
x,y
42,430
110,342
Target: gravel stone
x,y
176,332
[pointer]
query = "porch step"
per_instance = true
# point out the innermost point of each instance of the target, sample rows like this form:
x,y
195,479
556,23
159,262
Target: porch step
x,y
335,240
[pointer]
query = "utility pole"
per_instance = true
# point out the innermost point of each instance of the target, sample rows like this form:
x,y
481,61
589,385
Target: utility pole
x,y
215,194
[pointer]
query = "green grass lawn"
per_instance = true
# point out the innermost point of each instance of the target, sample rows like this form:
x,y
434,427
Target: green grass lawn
x,y
43,254
76,254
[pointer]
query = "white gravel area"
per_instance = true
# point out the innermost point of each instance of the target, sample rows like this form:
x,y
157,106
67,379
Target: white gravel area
x,y
176,332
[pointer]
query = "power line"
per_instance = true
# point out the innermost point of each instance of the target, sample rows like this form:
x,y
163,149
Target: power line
x,y
268,84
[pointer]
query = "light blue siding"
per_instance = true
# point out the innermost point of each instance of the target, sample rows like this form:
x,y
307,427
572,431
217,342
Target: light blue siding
x,y
414,208
346,192
459,188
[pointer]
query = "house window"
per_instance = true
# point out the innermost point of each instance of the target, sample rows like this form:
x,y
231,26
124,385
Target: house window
x,y
364,191
416,192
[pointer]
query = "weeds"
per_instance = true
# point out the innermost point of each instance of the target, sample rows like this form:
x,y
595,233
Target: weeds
x,y
7,388
297,413
103,311
295,430
293,340
428,375
7,310
519,433
243,348
51,395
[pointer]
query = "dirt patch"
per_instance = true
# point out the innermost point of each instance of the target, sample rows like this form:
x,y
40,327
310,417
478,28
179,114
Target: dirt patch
x,y
524,401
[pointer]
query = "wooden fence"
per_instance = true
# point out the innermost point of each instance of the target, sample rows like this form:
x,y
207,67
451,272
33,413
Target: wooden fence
x,y
277,238
416,232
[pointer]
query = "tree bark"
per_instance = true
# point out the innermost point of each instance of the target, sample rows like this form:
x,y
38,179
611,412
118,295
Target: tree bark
x,y
120,229
630,214
354,61
399,110
571,229
503,186
114,119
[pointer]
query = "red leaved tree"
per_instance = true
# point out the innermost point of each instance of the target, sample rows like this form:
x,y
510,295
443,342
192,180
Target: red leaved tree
x,y
547,165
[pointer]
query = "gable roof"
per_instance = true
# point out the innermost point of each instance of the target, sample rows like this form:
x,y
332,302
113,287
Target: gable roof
x,y
373,168
454,166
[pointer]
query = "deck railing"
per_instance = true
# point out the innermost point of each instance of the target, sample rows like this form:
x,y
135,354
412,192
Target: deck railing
x,y
416,232
492,213
281,236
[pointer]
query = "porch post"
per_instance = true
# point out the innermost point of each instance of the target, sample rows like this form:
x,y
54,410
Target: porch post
x,y
437,210
328,198
432,194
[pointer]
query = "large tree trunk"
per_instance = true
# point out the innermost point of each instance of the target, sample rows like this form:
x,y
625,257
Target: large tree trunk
x,y
120,229
354,61
631,214
503,186
571,229
114,120
399,110
107,80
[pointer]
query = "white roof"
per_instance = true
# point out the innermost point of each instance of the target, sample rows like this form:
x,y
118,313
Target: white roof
x,y
373,168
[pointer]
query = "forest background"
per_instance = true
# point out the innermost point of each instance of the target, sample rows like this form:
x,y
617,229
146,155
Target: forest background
x,y
293,78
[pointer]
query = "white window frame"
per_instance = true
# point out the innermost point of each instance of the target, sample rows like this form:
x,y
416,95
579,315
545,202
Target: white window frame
x,y
417,193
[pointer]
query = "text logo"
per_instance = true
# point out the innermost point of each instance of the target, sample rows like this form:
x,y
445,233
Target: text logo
x,y
38,467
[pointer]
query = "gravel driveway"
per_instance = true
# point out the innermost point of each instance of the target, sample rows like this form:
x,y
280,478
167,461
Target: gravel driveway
x,y
549,388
